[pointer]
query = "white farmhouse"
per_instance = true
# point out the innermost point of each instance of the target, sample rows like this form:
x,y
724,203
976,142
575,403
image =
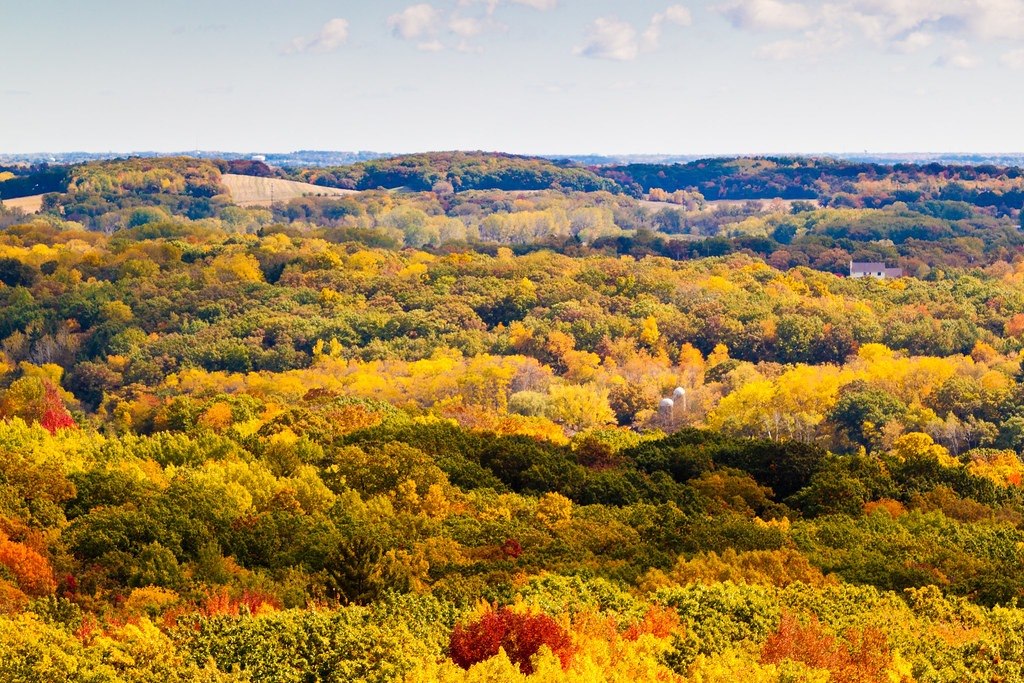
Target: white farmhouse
x,y
877,270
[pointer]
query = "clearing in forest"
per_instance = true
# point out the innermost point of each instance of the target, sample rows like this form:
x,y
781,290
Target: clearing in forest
x,y
255,191
31,204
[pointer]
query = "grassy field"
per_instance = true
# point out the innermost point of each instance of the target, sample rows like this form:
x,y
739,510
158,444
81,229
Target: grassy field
x,y
252,191
30,204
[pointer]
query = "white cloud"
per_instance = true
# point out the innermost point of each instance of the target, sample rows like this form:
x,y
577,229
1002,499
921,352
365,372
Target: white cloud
x,y
882,21
1013,59
897,26
676,14
610,38
537,4
426,24
912,42
767,15
332,35
469,28
415,22
809,46
969,19
997,19
887,21
958,60
420,24
492,5
466,27
958,56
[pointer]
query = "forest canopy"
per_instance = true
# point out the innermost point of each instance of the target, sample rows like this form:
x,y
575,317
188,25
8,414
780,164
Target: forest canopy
x,y
512,422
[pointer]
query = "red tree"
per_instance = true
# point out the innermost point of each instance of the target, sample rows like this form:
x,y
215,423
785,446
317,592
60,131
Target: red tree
x,y
863,658
512,548
521,636
55,414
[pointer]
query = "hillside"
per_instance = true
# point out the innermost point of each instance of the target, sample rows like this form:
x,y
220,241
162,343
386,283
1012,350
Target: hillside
x,y
254,191
385,436
462,171
843,183
919,233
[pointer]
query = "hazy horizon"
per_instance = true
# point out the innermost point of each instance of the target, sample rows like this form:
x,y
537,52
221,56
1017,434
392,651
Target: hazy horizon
x,y
547,155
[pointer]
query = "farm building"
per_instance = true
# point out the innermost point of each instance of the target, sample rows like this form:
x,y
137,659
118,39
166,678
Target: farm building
x,y
878,270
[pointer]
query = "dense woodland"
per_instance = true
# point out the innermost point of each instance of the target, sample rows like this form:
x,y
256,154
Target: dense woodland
x,y
415,435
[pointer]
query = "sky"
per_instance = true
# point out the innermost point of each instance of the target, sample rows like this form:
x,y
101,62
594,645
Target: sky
x,y
522,76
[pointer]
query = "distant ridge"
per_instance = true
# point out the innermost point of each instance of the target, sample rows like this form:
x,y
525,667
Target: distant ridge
x,y
297,158
311,158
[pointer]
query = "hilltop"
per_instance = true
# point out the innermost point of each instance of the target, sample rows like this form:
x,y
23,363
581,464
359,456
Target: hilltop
x,y
462,171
